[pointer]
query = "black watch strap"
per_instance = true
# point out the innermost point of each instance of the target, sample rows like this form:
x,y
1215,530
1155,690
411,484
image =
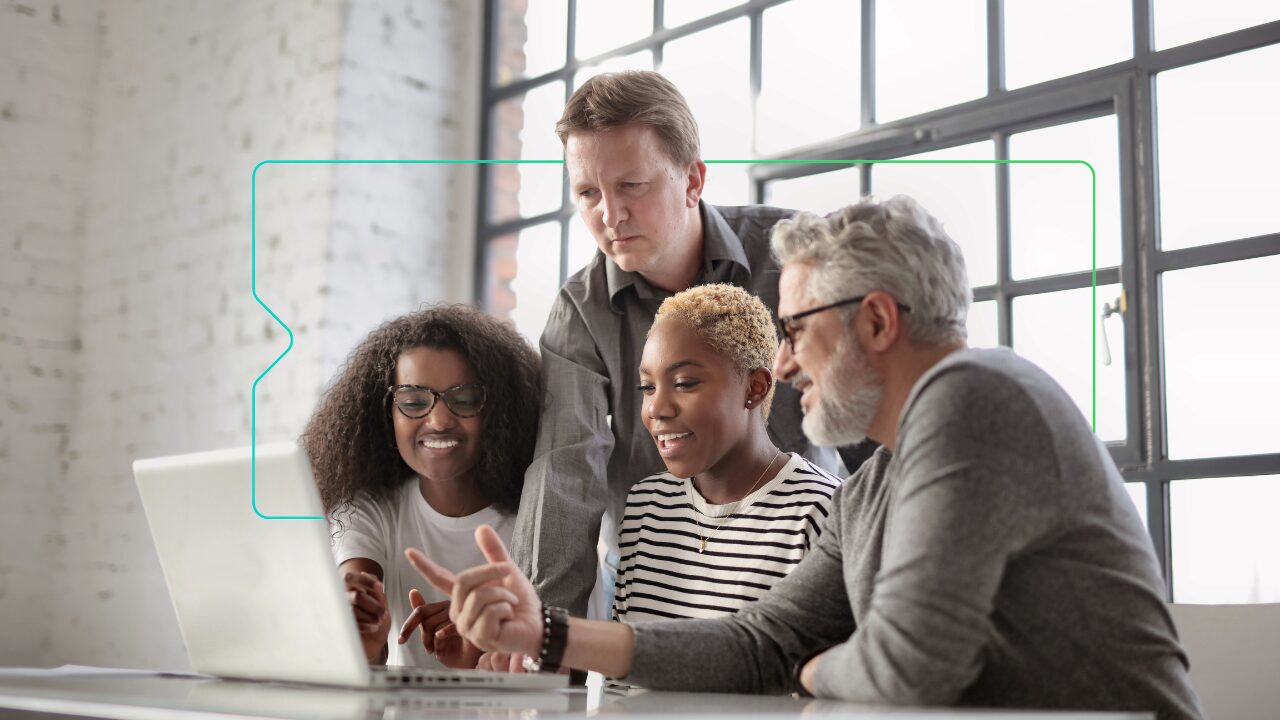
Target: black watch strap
x,y
555,634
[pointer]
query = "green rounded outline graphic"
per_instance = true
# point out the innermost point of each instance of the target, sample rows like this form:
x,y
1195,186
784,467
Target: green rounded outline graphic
x,y
253,269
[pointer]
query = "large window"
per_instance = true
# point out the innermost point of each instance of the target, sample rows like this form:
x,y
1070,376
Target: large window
x,y
1173,103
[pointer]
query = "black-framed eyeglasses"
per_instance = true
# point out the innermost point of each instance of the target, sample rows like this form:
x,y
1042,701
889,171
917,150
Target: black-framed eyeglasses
x,y
787,326
416,401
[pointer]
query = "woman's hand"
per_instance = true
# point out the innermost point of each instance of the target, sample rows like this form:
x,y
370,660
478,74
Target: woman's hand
x,y
373,617
493,606
439,635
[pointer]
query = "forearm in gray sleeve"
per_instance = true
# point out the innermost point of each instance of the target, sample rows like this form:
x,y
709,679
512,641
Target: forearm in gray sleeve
x,y
720,655
921,640
756,650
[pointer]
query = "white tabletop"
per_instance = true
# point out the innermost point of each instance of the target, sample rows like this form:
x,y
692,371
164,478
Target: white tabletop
x,y
144,697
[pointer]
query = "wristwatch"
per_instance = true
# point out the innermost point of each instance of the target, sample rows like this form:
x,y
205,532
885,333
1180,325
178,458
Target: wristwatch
x,y
555,633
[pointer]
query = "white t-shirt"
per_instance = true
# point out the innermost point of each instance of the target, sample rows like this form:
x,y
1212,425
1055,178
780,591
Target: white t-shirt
x,y
663,575
380,531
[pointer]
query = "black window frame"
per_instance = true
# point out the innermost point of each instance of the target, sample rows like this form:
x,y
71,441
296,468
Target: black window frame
x,y
1125,89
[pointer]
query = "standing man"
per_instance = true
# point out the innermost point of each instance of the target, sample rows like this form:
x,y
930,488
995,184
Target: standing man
x,y
636,175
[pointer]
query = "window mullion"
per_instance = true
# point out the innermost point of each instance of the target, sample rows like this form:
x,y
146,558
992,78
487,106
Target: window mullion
x,y
1136,451
479,278
995,47
868,69
1004,302
1158,526
756,79
1143,28
1147,315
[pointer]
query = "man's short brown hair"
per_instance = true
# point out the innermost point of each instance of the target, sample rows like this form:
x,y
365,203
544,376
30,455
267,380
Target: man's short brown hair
x,y
612,100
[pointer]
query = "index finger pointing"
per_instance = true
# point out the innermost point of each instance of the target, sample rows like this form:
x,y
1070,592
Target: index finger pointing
x,y
491,545
434,574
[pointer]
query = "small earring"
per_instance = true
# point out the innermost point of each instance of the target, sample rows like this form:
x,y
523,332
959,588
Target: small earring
x,y
749,403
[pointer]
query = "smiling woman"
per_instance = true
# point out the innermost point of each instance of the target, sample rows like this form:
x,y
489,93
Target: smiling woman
x,y
423,436
733,514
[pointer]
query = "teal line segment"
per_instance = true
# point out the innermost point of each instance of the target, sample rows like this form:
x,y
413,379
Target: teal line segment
x,y
253,270
253,286
253,394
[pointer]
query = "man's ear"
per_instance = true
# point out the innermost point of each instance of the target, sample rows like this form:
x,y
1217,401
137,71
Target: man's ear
x,y
759,383
879,322
696,182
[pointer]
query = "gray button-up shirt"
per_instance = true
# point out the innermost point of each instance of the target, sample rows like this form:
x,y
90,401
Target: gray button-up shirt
x,y
583,465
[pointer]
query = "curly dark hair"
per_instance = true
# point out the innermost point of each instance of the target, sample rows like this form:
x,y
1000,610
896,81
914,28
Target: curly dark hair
x,y
350,438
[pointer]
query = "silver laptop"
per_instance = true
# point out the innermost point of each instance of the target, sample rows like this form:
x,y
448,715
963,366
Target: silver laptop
x,y
261,598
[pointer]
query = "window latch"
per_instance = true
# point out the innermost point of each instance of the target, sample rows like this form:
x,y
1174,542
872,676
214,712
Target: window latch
x,y
1119,307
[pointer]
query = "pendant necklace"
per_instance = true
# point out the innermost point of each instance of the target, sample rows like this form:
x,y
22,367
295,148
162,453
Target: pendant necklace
x,y
702,539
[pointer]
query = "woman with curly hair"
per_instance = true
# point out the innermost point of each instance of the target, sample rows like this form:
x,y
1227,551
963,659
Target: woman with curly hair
x,y
424,435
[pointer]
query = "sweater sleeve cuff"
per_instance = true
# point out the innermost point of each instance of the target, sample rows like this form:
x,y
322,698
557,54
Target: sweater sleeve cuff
x,y
799,668
830,680
648,657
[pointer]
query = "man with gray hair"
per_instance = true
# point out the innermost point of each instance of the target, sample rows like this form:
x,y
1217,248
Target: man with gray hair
x,y
986,555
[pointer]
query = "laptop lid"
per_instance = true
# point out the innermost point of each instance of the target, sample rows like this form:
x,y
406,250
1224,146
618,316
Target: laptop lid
x,y
255,598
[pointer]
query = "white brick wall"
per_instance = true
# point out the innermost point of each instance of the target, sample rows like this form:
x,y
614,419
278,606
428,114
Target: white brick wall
x,y
403,234
177,102
189,97
47,72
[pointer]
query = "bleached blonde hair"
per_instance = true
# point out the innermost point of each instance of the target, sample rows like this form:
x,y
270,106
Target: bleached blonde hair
x,y
735,323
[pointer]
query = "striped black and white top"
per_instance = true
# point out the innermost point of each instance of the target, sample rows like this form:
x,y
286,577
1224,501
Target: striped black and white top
x,y
661,573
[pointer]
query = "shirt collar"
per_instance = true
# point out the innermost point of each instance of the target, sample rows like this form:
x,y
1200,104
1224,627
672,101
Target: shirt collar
x,y
719,245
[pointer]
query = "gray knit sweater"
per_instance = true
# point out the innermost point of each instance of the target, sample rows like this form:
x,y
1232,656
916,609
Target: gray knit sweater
x,y
996,560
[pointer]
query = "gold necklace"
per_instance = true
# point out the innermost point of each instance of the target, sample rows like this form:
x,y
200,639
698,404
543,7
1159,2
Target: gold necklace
x,y
702,540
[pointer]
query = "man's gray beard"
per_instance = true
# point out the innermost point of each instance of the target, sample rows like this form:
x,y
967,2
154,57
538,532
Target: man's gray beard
x,y
851,391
